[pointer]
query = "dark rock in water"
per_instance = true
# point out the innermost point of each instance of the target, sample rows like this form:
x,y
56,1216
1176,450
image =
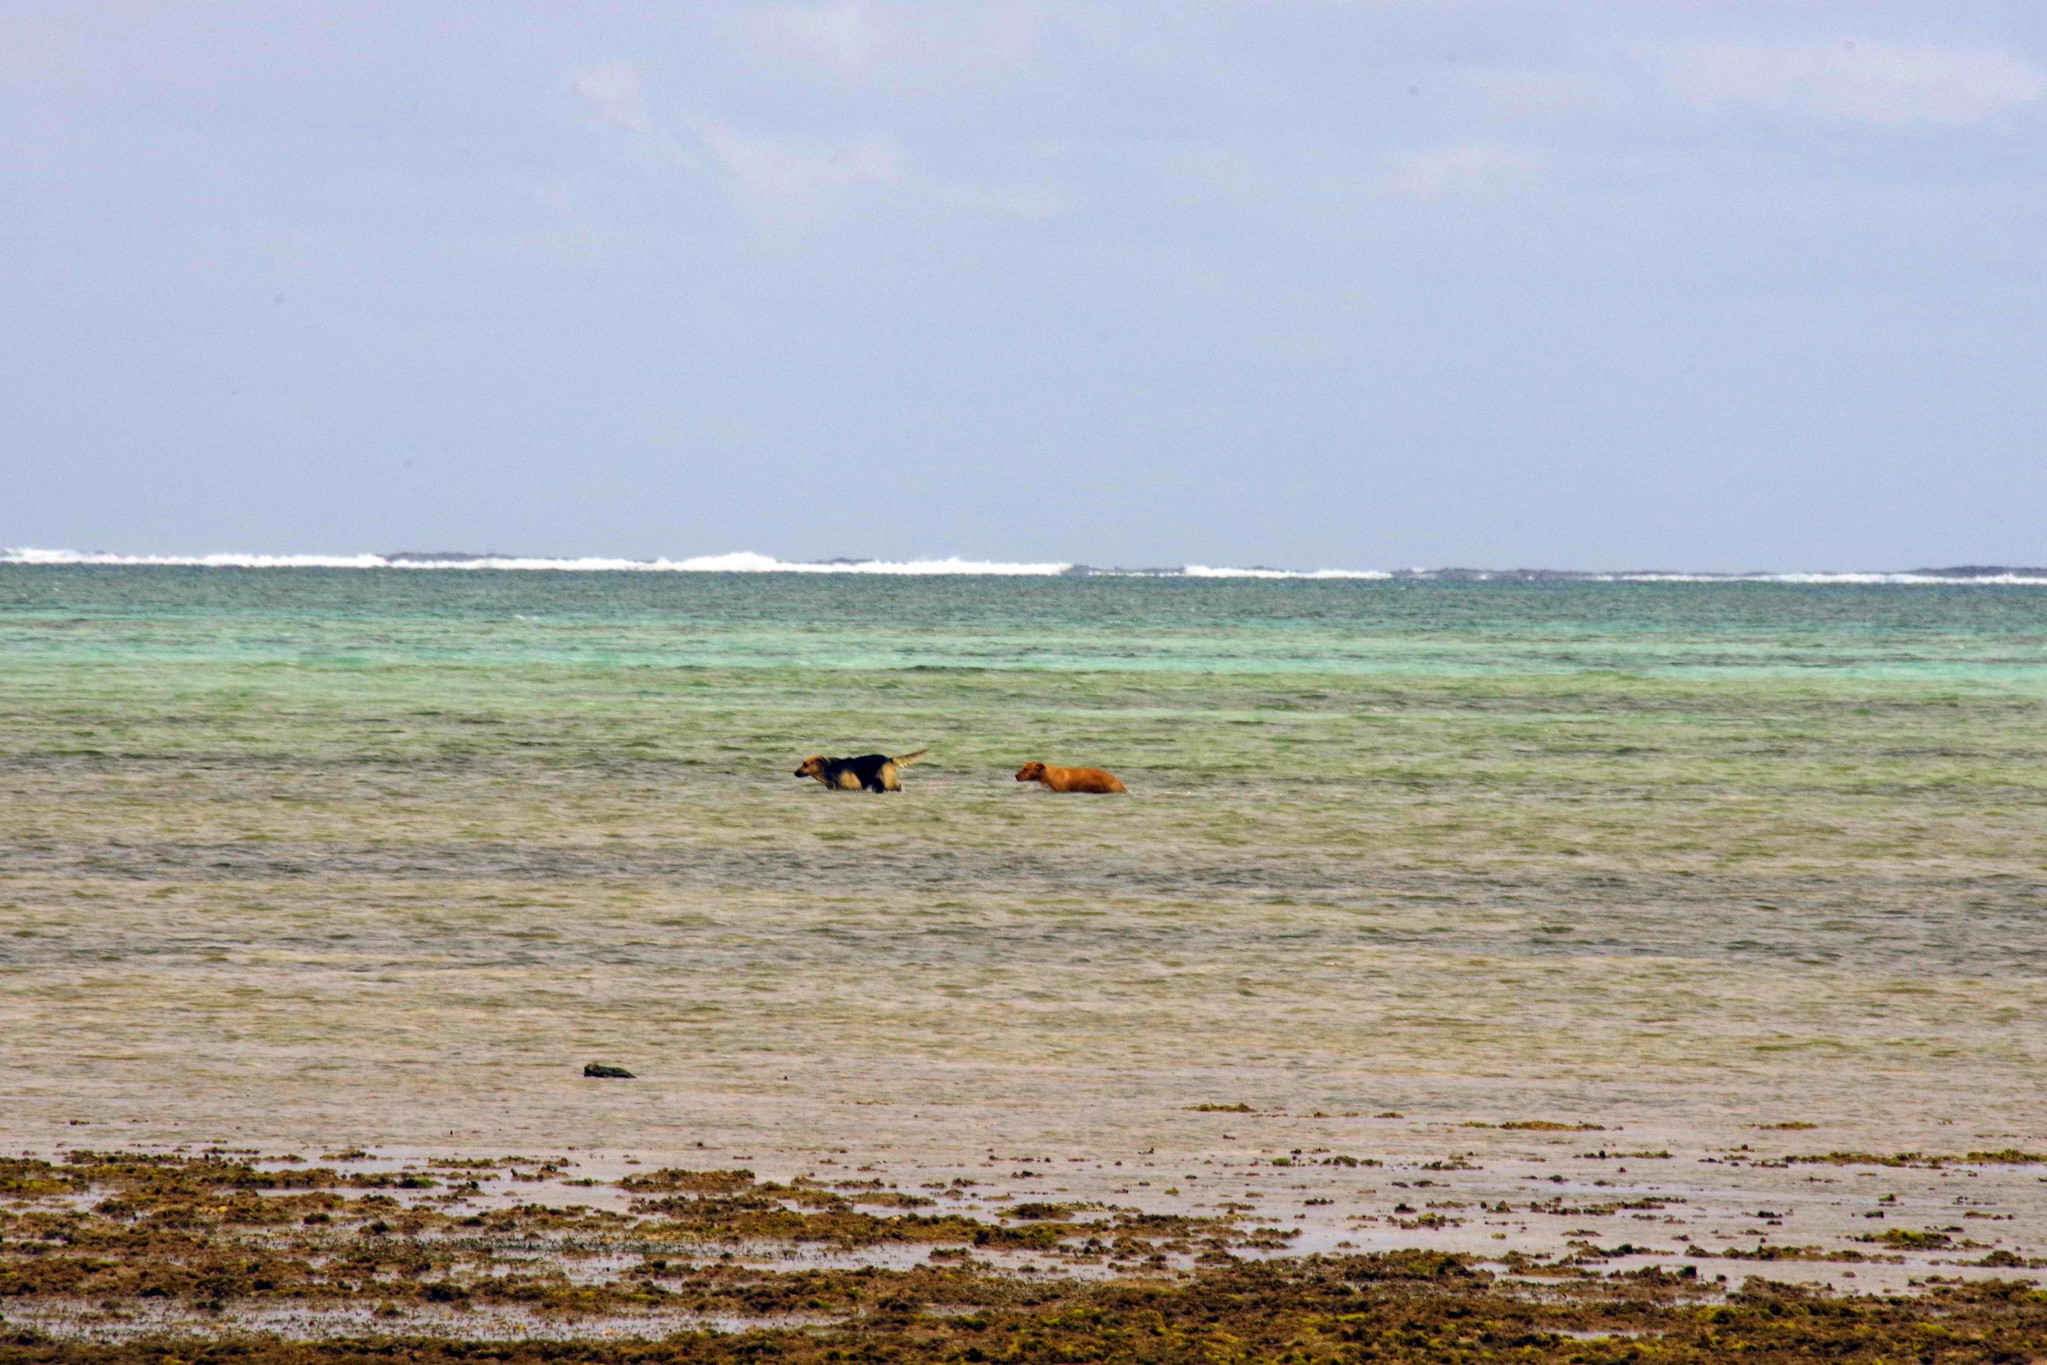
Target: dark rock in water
x,y
603,1072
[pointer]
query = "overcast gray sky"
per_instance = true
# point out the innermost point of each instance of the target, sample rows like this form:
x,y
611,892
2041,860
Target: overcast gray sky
x,y
1300,282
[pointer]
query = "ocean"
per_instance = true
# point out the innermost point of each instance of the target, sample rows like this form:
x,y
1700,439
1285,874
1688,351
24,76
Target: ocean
x,y
317,856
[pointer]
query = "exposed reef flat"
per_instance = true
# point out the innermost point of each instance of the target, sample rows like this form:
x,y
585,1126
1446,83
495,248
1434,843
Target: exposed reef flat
x,y
115,1256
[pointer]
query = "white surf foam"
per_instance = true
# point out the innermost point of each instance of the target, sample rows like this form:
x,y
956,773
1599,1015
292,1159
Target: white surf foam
x,y
1208,571
222,561
749,562
743,562
2020,579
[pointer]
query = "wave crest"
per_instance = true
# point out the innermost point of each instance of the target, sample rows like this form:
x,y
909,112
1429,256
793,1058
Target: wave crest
x,y
741,562
746,561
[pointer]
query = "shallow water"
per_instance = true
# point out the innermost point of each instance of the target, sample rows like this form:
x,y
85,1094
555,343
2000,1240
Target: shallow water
x,y
318,857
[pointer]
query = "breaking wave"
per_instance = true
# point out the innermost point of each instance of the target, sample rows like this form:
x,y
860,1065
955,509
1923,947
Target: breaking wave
x,y
748,562
1204,571
743,562
2020,577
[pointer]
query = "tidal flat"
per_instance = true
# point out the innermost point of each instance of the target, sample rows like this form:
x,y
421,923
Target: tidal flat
x,y
221,1256
1727,898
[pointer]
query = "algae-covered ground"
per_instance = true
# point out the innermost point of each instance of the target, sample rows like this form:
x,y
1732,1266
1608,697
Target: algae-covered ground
x,y
218,1256
298,861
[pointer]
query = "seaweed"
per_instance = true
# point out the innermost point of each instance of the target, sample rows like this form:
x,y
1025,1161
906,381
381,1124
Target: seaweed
x,y
1398,1307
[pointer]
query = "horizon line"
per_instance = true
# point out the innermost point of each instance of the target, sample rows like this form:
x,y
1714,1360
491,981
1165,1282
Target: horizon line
x,y
749,562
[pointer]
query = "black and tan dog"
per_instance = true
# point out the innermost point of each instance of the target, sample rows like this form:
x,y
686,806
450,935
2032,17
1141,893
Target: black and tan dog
x,y
870,772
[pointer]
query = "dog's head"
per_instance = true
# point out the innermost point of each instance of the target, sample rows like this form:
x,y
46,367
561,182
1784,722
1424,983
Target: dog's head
x,y
811,767
1031,772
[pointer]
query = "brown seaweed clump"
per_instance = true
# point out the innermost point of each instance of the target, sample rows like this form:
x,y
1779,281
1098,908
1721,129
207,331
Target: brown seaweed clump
x,y
215,1260
1355,1309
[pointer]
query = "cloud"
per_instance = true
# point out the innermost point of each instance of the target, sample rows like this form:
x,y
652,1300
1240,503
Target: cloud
x,y
793,181
1859,82
616,94
890,43
1482,170
772,170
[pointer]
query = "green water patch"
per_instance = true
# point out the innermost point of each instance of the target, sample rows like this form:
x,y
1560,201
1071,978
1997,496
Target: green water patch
x,y
331,619
272,837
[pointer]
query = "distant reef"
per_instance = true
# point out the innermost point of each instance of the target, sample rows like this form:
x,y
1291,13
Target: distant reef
x,y
443,556
751,562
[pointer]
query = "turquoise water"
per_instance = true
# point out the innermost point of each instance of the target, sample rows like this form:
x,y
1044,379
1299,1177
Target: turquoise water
x,y
1173,625
331,856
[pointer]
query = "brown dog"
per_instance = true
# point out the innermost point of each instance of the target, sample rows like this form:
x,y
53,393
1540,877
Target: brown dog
x,y
1070,779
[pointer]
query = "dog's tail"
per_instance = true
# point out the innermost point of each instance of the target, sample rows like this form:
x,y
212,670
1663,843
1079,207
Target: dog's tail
x,y
906,760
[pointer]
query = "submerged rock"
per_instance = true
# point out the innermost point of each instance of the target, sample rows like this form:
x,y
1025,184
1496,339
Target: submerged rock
x,y
603,1072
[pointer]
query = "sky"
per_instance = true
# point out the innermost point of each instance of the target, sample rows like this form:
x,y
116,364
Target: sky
x,y
1304,283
